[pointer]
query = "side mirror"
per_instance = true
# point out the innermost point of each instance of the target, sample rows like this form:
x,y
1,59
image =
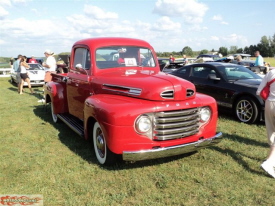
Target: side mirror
x,y
213,77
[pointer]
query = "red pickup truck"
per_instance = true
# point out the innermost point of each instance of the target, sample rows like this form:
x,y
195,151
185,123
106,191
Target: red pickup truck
x,y
116,96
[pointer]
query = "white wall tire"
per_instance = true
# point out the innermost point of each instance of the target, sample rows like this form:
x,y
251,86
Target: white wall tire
x,y
54,116
103,155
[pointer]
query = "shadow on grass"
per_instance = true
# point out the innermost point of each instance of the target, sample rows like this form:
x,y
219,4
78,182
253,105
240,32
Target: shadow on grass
x,y
81,147
69,138
38,91
238,157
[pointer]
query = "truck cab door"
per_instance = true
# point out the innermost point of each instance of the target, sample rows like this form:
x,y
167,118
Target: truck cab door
x,y
78,83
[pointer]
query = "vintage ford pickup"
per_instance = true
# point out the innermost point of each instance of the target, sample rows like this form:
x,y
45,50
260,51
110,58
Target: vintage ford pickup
x,y
115,96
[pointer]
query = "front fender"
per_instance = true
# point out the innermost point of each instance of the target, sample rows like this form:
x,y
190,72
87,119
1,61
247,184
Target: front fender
x,y
56,94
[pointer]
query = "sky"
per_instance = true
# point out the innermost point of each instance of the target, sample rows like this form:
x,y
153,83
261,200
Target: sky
x,y
29,27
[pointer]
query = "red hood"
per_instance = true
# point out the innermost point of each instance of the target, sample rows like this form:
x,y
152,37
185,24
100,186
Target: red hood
x,y
144,84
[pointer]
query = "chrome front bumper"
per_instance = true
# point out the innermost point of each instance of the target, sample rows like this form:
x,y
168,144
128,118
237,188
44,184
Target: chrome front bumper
x,y
171,151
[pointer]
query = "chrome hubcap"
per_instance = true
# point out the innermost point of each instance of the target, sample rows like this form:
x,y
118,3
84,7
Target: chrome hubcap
x,y
244,110
100,143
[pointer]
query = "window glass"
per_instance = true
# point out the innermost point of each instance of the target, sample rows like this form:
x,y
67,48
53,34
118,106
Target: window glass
x,y
184,71
238,72
82,58
124,56
202,72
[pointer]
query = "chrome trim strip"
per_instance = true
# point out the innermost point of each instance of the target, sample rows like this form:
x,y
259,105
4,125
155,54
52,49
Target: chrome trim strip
x,y
170,151
131,90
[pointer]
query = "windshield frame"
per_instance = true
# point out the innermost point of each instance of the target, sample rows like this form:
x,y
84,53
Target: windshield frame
x,y
124,56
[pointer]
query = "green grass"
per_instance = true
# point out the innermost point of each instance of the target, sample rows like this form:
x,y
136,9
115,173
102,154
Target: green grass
x,y
39,157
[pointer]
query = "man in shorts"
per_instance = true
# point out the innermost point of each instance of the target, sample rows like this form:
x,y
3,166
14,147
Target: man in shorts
x,y
16,69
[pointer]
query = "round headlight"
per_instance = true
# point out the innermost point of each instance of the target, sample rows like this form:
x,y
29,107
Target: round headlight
x,y
143,124
205,114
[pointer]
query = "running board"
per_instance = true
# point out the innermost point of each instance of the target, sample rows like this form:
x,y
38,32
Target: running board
x,y
74,123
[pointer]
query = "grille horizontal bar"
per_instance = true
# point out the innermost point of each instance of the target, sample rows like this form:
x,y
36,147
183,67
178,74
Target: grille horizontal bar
x,y
176,124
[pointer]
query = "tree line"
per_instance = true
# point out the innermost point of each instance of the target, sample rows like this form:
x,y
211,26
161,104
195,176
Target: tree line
x,y
266,46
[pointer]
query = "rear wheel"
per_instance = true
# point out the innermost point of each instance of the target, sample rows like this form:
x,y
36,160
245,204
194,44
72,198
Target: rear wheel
x,y
103,155
246,110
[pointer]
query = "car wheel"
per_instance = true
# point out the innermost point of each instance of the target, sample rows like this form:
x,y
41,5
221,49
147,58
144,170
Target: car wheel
x,y
103,155
246,110
54,116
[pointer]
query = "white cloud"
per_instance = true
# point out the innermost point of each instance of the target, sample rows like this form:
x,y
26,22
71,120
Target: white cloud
x,y
98,13
5,3
3,13
20,1
166,24
2,42
224,22
197,28
214,38
217,18
190,10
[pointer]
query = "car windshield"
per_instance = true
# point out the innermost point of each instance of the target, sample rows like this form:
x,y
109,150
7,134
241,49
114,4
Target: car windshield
x,y
237,72
124,56
35,67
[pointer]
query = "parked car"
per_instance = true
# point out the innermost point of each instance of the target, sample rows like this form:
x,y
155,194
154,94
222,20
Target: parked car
x,y
187,60
246,61
173,66
163,62
212,56
233,86
36,74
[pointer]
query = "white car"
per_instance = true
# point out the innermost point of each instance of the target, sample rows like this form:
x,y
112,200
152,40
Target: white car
x,y
36,73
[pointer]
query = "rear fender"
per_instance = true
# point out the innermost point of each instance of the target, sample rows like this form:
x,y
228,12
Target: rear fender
x,y
56,94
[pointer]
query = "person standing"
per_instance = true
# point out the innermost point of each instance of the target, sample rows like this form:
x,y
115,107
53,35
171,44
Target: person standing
x,y
259,62
50,68
269,164
32,60
50,65
171,59
184,59
24,75
16,68
11,62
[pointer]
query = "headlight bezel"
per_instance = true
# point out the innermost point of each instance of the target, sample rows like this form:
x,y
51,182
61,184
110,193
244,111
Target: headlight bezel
x,y
144,119
205,114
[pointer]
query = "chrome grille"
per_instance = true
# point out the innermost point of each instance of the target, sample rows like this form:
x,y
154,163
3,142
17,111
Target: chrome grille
x,y
167,94
176,124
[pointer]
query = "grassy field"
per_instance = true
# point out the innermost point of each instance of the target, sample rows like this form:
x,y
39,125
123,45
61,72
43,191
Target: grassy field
x,y
39,157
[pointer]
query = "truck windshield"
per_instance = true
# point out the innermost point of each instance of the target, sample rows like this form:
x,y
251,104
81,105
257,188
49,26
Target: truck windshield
x,y
124,56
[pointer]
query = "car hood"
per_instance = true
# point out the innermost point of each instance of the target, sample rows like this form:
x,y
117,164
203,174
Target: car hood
x,y
249,82
36,74
144,84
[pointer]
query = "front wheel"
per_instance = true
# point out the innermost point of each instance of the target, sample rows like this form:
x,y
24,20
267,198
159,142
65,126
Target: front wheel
x,y
54,116
103,155
246,110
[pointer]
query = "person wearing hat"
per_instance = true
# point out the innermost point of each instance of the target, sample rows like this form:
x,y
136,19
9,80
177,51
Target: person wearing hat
x,y
50,65
32,60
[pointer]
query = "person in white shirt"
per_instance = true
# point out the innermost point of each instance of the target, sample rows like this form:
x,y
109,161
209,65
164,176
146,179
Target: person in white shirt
x,y
269,164
50,65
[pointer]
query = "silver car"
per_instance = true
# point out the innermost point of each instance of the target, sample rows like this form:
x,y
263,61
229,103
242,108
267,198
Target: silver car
x,y
36,73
